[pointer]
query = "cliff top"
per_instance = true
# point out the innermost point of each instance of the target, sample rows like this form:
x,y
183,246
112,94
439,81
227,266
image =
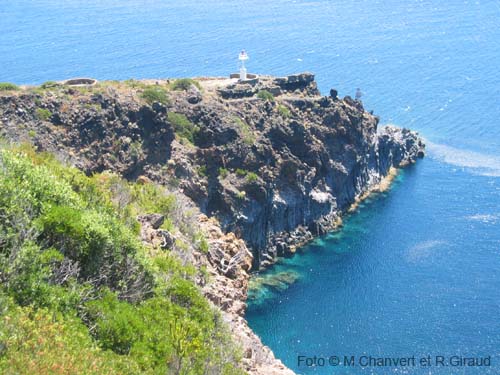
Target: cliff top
x,y
227,88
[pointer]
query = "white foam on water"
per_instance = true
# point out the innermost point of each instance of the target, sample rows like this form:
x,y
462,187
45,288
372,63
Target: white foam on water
x,y
475,162
484,218
423,250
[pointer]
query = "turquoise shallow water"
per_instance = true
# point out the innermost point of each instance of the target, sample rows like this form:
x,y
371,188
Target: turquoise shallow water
x,y
417,270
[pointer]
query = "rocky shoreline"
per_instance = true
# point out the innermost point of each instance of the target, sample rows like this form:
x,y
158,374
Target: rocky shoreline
x,y
268,164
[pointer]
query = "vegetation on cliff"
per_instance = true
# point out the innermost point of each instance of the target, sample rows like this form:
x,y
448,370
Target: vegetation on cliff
x,y
80,294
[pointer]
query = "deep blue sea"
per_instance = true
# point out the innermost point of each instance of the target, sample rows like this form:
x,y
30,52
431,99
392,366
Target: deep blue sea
x,y
416,271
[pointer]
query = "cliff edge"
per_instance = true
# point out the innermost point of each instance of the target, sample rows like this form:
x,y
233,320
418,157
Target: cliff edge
x,y
269,163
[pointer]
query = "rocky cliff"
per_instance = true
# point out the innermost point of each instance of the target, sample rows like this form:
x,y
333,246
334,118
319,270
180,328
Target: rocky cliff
x,y
272,159
267,164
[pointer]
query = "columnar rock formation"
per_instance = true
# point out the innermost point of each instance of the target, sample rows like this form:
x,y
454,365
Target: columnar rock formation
x,y
270,161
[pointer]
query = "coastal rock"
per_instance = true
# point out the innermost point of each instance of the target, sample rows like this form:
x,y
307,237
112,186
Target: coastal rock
x,y
154,220
229,291
268,175
274,172
194,95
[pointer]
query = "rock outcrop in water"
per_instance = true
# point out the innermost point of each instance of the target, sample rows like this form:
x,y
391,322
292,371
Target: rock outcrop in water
x,y
270,161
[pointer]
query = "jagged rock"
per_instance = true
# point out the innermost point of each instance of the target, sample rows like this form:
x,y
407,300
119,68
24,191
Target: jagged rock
x,y
154,220
298,169
237,91
194,95
273,174
168,239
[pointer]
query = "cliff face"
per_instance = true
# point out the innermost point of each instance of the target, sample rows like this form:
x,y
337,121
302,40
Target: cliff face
x,y
272,159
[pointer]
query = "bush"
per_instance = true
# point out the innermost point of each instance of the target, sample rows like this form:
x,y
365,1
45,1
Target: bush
x,y
201,242
6,86
49,85
284,111
43,114
36,342
151,198
223,172
252,177
241,172
64,243
182,126
265,95
152,94
184,84
202,170
246,132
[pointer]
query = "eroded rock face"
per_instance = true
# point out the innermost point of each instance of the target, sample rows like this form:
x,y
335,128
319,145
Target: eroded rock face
x,y
229,262
275,172
95,133
267,174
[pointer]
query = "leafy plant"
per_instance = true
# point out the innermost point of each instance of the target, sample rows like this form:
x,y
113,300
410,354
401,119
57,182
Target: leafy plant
x,y
72,269
43,114
6,86
223,172
183,84
246,133
284,111
182,126
252,177
155,94
241,172
265,95
62,346
49,85
202,170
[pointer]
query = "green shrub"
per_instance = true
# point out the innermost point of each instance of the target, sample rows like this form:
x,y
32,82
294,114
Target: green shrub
x,y
152,94
284,111
184,84
246,132
6,86
182,126
252,177
223,172
201,242
65,242
43,114
202,170
30,276
241,172
265,95
49,85
153,199
37,342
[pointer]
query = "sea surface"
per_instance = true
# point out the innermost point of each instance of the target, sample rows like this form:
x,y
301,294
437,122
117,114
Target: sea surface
x,y
416,270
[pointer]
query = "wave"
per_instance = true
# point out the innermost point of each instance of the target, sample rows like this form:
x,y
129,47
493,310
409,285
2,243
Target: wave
x,y
477,163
